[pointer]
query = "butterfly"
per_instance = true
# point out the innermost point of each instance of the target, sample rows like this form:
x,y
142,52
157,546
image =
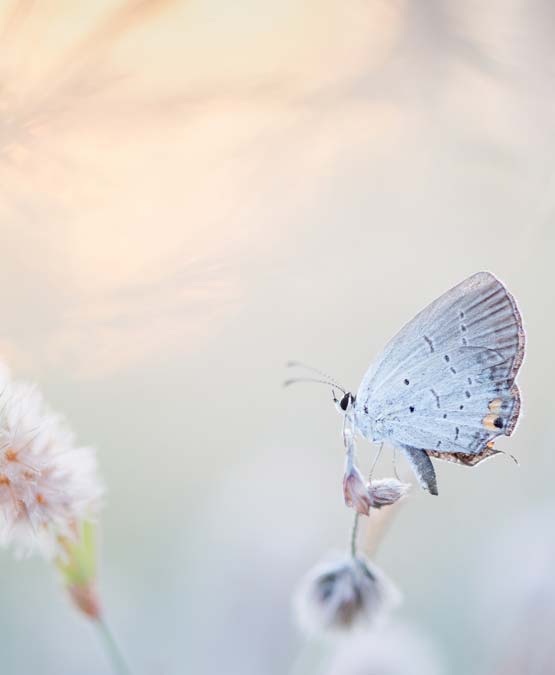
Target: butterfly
x,y
444,386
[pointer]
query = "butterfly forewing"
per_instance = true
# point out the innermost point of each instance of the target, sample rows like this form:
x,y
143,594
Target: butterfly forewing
x,y
445,382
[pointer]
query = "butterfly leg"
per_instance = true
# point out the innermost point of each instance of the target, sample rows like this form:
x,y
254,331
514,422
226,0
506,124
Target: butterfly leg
x,y
395,472
423,468
376,458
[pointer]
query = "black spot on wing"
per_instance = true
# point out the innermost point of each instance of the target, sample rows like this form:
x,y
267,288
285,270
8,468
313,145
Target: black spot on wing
x,y
430,343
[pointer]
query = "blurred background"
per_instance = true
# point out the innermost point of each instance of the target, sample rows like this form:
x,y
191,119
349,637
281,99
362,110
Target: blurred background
x,y
192,193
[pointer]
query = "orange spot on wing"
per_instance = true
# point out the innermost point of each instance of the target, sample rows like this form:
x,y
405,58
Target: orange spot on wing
x,y
495,405
493,422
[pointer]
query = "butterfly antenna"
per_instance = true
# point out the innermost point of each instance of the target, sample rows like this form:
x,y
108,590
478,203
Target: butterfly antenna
x,y
295,380
326,378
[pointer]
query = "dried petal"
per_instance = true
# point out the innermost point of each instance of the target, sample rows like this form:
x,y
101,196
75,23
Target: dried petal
x,y
356,491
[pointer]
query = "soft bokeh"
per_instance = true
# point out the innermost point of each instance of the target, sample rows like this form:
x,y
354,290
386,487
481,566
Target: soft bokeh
x,y
192,193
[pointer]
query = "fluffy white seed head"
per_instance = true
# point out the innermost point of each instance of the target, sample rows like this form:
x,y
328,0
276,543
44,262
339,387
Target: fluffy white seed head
x,y
386,491
342,594
47,484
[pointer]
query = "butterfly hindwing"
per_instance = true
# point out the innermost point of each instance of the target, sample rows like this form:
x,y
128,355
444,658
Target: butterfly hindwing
x,y
445,383
466,460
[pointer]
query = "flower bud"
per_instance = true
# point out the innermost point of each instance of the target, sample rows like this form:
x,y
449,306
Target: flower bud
x,y
78,567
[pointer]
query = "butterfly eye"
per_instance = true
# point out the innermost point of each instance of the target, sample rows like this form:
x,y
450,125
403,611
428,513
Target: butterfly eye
x,y
345,402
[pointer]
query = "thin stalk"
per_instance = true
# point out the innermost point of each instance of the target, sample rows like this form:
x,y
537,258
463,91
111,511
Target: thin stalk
x,y
111,647
354,533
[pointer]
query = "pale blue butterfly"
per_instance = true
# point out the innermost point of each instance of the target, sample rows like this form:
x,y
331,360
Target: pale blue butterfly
x,y
444,387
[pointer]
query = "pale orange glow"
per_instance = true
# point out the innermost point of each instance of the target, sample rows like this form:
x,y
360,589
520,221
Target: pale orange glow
x,y
130,139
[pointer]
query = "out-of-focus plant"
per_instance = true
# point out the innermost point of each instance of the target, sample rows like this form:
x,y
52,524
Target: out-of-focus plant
x,y
350,595
50,495
516,596
342,594
392,649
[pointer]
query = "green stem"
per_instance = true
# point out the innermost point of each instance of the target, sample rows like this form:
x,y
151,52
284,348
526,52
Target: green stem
x,y
110,645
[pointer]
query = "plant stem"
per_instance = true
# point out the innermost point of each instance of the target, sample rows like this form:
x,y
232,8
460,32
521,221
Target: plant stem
x,y
110,645
354,533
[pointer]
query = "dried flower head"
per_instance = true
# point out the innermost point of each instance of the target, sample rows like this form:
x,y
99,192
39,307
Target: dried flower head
x,y
342,594
362,496
386,491
47,485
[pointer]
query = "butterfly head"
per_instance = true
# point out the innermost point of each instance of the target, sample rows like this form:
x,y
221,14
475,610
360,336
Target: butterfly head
x,y
345,404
